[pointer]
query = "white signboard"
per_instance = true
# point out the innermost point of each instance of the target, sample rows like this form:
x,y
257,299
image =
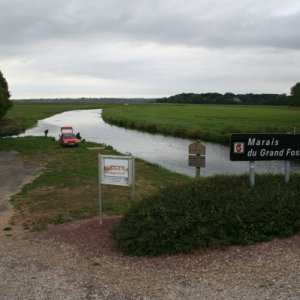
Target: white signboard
x,y
116,170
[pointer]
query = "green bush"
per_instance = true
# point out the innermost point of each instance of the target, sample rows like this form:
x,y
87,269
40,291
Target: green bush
x,y
211,212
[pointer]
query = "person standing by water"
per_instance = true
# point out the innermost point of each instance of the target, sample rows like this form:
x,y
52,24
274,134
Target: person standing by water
x,y
78,136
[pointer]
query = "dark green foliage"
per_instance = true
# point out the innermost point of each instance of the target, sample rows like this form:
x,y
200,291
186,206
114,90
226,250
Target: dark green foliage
x,y
5,103
227,98
295,94
211,212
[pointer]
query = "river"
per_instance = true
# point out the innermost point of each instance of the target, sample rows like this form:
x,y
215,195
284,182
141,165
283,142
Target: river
x,y
169,152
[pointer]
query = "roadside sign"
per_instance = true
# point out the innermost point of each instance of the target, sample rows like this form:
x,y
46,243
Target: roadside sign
x,y
197,148
265,146
197,156
252,147
115,170
197,161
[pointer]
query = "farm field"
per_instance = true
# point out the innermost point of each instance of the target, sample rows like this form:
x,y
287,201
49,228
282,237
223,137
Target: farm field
x,y
207,122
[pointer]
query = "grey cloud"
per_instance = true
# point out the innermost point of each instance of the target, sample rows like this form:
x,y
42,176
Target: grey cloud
x,y
156,46
194,23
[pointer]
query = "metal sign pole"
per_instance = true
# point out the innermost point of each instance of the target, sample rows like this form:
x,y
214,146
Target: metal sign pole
x,y
197,168
197,172
287,171
100,193
133,180
252,174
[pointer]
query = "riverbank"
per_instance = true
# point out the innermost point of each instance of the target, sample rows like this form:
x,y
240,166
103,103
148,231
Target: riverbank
x,y
167,151
214,123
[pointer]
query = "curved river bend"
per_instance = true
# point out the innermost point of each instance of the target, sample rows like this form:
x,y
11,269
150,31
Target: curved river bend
x,y
169,152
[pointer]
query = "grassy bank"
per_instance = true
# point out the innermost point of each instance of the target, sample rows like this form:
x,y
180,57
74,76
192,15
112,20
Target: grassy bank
x,y
68,188
207,122
26,115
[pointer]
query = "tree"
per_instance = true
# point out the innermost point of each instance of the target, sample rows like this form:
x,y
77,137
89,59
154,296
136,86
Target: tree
x,y
5,103
295,94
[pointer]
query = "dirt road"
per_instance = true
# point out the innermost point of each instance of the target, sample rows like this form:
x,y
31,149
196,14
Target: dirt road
x,y
14,173
79,260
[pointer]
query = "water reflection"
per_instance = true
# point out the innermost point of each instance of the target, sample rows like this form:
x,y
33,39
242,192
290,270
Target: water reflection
x,y
169,152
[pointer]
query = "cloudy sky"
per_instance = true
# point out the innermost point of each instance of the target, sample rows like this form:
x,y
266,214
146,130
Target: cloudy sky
x,y
148,48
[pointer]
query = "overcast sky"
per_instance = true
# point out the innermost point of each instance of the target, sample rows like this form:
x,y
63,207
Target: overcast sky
x,y
148,48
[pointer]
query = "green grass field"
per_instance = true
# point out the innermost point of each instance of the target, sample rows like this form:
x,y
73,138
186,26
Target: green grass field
x,y
208,122
68,187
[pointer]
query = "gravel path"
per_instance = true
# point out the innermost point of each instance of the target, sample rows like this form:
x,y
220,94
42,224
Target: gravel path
x,y
79,261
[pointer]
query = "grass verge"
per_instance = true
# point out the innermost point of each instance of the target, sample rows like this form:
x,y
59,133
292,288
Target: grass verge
x,y
68,188
211,212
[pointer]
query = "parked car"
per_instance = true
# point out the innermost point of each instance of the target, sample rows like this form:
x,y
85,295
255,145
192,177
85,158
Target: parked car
x,y
67,137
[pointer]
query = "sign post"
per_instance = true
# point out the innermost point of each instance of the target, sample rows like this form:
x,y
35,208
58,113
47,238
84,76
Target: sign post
x,y
262,146
287,170
197,156
252,173
115,170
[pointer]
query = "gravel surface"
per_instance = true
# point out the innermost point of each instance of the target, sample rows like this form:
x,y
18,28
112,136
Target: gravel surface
x,y
80,261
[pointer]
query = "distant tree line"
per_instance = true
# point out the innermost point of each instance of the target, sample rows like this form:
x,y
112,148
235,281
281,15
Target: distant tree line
x,y
228,98
84,100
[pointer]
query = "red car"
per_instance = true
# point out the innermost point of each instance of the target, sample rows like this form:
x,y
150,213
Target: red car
x,y
67,137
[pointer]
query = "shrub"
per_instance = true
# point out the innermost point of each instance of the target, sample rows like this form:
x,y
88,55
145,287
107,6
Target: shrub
x,y
211,212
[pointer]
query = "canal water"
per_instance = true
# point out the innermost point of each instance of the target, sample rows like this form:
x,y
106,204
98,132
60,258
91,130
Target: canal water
x,y
169,152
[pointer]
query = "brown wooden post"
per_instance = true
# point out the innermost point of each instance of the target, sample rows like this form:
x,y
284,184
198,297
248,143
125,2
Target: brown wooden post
x,y
197,156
